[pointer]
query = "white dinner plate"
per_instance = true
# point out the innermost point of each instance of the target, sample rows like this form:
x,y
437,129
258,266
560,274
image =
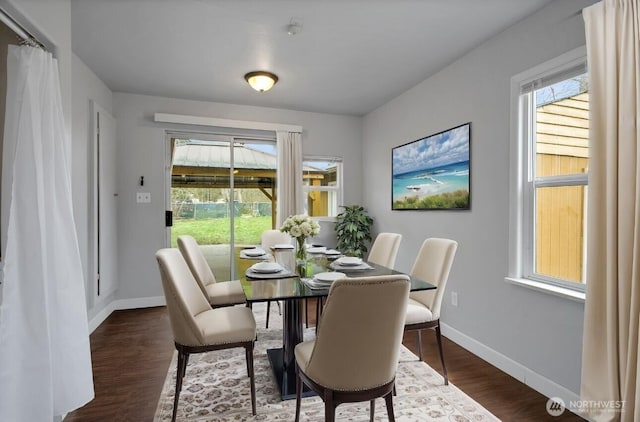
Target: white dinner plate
x,y
329,277
253,252
267,267
317,249
349,261
283,246
313,284
332,252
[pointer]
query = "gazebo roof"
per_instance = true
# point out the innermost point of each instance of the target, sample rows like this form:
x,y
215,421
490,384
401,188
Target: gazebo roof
x,y
207,164
211,155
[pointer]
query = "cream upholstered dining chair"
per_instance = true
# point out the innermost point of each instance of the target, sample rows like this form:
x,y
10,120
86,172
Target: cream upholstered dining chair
x,y
269,239
432,264
354,356
385,249
273,237
197,328
225,293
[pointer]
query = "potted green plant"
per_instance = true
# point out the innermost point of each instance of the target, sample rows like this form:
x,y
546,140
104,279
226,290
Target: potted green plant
x,y
353,230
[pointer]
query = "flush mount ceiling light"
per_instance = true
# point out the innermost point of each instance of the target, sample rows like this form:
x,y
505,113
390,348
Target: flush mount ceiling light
x,y
261,81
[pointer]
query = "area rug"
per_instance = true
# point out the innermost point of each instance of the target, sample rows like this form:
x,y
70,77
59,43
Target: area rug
x,y
216,388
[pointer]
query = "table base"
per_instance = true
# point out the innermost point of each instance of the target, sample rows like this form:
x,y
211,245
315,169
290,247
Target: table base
x,y
286,380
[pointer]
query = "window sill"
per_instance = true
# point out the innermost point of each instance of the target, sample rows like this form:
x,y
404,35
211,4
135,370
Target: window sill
x,y
547,288
325,218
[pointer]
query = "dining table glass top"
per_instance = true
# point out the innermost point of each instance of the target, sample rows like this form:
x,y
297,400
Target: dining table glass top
x,y
292,286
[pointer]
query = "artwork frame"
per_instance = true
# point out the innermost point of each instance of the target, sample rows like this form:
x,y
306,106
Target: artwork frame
x,y
433,172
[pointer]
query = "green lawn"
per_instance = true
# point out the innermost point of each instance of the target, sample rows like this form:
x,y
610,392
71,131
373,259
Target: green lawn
x,y
216,231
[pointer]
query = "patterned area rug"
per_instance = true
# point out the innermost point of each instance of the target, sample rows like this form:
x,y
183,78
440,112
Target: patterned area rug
x,y
216,388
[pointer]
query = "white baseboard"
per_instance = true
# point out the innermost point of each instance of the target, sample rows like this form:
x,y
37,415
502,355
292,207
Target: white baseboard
x,y
541,384
101,316
116,305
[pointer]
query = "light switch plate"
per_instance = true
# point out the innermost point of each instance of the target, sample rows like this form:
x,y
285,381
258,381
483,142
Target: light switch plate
x,y
143,197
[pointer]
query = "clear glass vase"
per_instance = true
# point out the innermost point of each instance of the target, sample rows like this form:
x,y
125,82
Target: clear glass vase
x,y
301,256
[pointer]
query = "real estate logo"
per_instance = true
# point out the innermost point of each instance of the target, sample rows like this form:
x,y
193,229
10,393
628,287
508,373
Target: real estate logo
x,y
555,406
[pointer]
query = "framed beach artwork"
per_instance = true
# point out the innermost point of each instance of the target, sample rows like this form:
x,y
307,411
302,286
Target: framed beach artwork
x,y
432,173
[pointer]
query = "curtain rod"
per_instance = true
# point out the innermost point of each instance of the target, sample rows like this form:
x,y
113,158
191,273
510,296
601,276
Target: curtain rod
x,y
27,38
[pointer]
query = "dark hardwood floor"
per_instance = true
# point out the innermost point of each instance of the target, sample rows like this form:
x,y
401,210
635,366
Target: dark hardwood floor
x,y
131,352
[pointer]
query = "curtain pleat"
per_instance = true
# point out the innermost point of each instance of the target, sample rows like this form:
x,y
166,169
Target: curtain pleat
x,y
612,308
45,360
289,145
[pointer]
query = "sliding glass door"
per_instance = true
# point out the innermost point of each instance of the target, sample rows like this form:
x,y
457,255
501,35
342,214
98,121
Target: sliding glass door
x,y
222,192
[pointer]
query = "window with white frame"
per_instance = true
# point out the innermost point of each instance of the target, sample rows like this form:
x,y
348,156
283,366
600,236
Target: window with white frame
x,y
322,184
552,135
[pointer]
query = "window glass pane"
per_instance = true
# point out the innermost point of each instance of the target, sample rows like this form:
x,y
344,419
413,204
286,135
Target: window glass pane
x,y
321,180
321,204
560,224
562,127
319,173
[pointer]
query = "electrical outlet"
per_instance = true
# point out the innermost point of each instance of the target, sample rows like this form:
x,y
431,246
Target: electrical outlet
x,y
143,197
454,298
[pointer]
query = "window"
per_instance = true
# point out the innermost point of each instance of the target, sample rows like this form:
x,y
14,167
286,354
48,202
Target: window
x,y
552,131
322,184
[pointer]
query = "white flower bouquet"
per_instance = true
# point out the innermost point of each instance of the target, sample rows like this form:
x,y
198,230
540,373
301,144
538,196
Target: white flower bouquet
x,y
300,227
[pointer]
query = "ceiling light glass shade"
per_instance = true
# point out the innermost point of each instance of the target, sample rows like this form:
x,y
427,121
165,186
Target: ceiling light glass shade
x,y
261,81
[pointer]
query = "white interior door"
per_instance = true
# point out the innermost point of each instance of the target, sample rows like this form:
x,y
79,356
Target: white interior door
x,y
105,206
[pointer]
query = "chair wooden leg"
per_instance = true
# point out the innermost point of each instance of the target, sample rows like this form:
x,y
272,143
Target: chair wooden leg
x,y
252,380
268,309
246,358
372,410
182,364
420,344
319,304
306,311
186,362
444,368
329,406
389,401
298,395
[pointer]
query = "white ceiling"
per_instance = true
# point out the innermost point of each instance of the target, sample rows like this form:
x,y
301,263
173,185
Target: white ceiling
x,y
350,57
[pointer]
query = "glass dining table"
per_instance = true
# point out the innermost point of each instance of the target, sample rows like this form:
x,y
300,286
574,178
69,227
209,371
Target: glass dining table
x,y
292,290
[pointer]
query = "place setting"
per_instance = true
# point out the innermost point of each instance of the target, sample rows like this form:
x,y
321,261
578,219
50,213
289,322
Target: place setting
x,y
316,249
350,263
282,246
268,270
254,253
332,254
323,280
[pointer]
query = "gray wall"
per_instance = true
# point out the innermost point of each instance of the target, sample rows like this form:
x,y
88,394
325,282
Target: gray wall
x,y
538,331
141,152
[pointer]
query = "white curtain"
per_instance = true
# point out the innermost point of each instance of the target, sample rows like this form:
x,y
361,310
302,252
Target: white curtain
x,y
289,146
610,361
45,360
